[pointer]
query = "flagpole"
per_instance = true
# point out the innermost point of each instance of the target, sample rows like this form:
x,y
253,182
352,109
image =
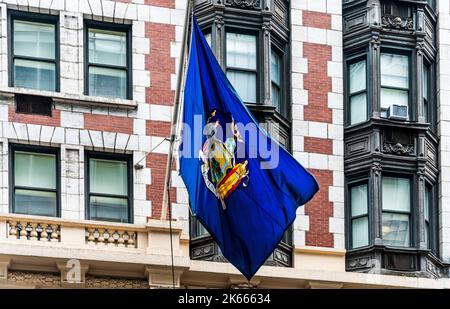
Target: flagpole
x,y
176,110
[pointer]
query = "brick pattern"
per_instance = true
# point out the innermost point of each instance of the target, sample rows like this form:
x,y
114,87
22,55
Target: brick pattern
x,y
317,110
54,120
108,123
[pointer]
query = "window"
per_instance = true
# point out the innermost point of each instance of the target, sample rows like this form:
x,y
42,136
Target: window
x,y
394,81
427,202
34,51
108,196
357,92
242,65
396,199
359,224
108,60
34,181
275,78
426,92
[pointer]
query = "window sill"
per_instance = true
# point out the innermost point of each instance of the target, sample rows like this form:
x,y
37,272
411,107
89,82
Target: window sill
x,y
71,98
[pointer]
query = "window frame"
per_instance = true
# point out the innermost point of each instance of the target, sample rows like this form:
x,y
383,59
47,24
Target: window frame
x,y
111,157
411,213
127,29
257,71
34,149
349,61
433,220
411,78
33,17
280,50
350,185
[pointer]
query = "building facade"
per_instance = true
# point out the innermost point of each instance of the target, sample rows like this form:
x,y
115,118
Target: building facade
x,y
356,90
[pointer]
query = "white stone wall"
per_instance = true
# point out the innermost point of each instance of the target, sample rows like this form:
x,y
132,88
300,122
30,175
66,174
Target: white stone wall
x,y
71,137
443,94
300,98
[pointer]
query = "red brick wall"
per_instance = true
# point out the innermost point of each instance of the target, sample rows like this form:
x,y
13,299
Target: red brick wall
x,y
318,145
316,20
108,123
319,210
164,3
158,128
317,82
54,121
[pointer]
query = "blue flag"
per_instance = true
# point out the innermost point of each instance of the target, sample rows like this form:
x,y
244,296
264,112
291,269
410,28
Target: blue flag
x,y
242,186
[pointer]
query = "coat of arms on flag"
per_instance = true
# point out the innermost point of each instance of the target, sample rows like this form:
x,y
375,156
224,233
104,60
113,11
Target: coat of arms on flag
x,y
222,173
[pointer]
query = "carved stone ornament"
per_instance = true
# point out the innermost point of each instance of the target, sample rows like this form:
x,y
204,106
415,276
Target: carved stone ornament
x,y
247,4
398,149
376,168
397,22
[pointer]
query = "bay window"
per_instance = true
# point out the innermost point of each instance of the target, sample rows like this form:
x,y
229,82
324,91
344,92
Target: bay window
x,y
394,81
108,64
34,51
357,90
34,181
108,195
359,216
241,65
396,211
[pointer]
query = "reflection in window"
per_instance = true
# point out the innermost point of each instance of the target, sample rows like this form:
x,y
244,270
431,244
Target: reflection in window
x,y
275,77
394,81
396,201
108,190
357,92
107,63
35,183
241,65
359,215
34,54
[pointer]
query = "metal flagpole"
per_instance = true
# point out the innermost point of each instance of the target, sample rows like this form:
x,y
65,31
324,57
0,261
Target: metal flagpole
x,y
176,110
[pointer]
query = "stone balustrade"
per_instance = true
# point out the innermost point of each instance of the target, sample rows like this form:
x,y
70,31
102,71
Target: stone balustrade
x,y
111,237
33,230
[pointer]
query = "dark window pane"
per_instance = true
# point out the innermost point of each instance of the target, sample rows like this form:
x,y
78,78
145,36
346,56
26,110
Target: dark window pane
x,y
107,82
33,202
108,209
31,104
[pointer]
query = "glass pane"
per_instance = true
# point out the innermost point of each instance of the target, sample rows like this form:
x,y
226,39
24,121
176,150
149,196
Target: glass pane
x,y
393,96
35,170
245,85
111,83
360,232
276,96
425,81
394,70
34,39
34,74
357,76
358,108
359,200
108,177
275,69
241,51
107,47
197,229
426,204
208,38
38,203
396,194
427,235
108,209
395,229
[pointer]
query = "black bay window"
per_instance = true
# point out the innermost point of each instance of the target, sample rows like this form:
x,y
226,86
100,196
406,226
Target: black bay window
x,y
108,187
108,60
34,180
391,149
395,84
34,51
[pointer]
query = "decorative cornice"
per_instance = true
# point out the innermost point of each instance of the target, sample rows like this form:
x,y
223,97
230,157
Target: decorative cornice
x,y
245,4
398,149
397,22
